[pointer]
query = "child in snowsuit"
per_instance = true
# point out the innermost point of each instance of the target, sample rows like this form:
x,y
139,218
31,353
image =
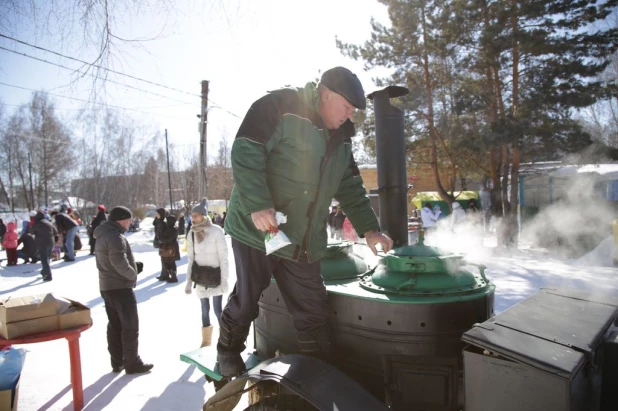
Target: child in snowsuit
x,y
57,250
9,242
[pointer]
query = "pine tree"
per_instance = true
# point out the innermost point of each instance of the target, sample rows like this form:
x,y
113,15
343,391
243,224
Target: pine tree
x,y
539,60
420,47
499,77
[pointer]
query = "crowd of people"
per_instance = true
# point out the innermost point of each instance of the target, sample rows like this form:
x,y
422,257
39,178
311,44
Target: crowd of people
x,y
118,270
473,215
44,237
55,232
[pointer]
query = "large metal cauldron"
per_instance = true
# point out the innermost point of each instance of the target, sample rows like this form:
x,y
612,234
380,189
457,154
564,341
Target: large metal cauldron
x,y
397,328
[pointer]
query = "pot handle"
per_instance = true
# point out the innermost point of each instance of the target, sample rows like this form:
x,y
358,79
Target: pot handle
x,y
481,268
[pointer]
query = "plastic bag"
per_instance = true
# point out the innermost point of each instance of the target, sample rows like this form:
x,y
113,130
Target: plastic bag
x,y
275,238
11,364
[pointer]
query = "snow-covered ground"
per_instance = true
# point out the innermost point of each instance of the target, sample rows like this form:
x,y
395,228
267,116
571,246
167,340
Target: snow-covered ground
x,y
170,321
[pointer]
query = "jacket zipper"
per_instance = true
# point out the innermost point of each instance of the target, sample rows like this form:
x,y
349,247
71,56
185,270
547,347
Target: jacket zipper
x,y
329,152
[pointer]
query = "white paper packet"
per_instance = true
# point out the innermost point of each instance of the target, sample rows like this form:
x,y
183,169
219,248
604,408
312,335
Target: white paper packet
x,y
275,238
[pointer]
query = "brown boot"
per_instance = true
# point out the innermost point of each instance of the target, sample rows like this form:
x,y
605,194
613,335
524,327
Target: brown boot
x,y
206,336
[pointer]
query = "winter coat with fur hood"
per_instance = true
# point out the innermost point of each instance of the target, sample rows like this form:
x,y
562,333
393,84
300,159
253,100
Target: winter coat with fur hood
x,y
211,252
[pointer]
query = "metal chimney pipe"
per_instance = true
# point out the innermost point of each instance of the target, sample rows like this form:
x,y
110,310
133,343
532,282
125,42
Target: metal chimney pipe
x,y
391,164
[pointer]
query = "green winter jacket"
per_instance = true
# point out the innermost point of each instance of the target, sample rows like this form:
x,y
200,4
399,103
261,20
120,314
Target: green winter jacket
x,y
284,158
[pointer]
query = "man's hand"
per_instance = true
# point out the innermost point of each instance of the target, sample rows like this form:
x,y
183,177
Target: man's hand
x,y
376,237
264,220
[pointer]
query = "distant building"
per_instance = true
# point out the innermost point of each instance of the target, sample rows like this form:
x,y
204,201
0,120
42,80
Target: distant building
x,y
542,184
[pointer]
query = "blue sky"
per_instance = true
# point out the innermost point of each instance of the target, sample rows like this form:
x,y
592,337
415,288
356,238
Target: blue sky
x,y
242,47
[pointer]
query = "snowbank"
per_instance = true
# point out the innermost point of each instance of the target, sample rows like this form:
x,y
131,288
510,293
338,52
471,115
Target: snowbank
x,y
602,256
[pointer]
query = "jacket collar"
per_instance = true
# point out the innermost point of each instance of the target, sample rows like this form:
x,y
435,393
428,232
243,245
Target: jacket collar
x,y
115,225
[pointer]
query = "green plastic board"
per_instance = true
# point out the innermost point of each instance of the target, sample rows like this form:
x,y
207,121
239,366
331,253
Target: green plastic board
x,y
202,359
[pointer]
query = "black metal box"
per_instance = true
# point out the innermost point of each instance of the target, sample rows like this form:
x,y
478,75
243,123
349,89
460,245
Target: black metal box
x,y
543,354
609,390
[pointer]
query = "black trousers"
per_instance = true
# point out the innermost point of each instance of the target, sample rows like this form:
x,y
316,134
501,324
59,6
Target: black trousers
x,y
123,327
168,269
301,286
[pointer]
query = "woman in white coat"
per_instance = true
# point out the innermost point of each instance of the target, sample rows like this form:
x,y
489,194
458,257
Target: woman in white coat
x,y
206,245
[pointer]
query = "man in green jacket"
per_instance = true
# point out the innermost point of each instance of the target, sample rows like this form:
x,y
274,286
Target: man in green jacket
x,y
293,154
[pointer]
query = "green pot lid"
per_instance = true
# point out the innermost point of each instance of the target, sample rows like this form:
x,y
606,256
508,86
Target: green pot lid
x,y
416,250
340,262
420,270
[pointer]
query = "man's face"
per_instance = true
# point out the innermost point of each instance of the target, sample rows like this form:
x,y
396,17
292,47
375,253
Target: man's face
x,y
125,223
335,109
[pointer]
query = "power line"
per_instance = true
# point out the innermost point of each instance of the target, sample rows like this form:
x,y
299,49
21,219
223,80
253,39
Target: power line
x,y
31,137
84,109
92,75
86,101
227,111
107,69
97,66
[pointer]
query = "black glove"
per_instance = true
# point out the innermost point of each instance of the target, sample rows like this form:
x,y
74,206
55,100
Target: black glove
x,y
140,266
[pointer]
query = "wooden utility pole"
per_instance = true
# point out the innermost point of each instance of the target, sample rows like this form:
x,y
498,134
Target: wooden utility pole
x,y
30,177
11,199
169,178
45,172
203,180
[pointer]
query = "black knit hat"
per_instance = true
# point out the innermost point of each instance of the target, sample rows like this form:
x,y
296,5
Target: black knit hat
x,y
343,81
119,213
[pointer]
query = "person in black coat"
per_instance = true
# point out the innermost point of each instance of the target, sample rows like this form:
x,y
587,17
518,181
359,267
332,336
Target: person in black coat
x,y
338,221
98,219
159,228
44,237
68,227
332,214
118,272
28,252
2,231
169,240
181,224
